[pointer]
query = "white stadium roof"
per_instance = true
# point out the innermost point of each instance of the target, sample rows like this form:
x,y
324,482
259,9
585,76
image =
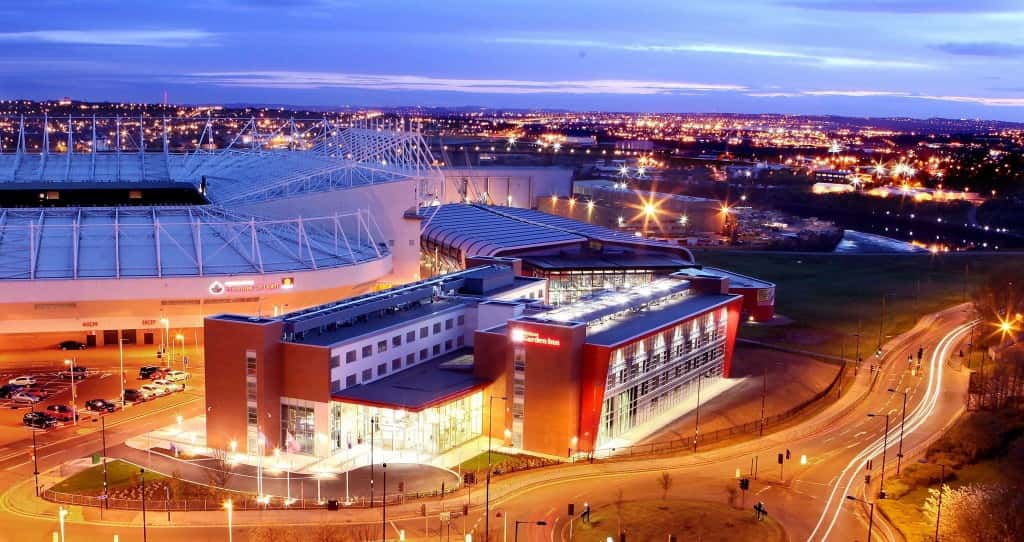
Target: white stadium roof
x,y
258,164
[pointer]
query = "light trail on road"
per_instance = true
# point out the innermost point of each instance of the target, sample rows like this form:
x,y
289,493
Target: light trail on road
x,y
915,419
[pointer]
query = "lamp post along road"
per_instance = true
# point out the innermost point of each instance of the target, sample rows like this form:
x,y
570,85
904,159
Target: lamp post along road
x,y
903,419
384,506
74,389
871,515
487,483
885,444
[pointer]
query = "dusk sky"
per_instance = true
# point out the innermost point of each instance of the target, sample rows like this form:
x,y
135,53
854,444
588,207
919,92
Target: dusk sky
x,y
922,58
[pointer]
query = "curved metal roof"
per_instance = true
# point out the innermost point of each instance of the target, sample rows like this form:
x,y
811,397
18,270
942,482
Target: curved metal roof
x,y
116,242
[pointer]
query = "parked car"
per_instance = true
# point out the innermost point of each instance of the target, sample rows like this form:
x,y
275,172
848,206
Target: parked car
x,y
150,372
137,395
22,381
171,387
38,394
62,413
39,420
101,405
79,373
25,398
71,345
7,390
156,389
177,376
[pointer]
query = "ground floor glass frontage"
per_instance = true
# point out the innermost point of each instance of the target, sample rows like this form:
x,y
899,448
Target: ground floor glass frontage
x,y
565,287
431,431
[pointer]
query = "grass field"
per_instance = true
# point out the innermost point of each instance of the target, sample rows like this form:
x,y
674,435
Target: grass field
x,y
827,295
479,462
687,520
90,481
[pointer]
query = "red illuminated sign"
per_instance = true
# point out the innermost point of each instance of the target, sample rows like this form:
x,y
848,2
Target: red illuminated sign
x,y
523,336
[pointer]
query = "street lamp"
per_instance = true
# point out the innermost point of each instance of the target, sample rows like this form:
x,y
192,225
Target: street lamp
x,y
181,338
384,505
228,505
487,483
515,537
120,377
871,516
61,514
165,337
938,509
885,444
903,419
142,474
74,390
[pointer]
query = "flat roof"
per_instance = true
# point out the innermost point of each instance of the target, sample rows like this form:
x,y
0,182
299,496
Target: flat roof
x,y
735,279
420,386
599,261
377,325
634,324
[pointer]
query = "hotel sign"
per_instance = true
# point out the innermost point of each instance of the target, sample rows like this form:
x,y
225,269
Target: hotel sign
x,y
248,285
520,335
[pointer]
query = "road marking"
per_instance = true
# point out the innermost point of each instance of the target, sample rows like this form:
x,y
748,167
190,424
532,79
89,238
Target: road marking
x,y
859,434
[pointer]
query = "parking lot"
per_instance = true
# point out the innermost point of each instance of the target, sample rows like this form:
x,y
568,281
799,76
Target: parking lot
x,y
50,384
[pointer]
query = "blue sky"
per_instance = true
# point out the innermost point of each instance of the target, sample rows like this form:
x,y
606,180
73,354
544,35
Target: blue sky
x,y
951,58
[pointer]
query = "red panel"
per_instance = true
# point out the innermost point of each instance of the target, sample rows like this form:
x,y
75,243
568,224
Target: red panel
x,y
734,309
593,377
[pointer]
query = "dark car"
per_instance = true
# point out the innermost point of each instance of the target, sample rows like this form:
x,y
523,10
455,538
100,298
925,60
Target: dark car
x,y
78,373
150,372
62,413
134,395
7,390
39,420
71,345
100,405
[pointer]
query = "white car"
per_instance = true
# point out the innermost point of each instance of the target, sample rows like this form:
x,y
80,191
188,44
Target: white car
x,y
156,390
25,398
171,386
177,376
23,381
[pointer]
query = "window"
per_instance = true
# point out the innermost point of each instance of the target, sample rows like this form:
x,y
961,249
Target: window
x,y
350,356
335,385
462,320
396,340
382,346
367,375
410,359
335,361
297,428
437,328
424,331
423,354
449,323
460,341
251,415
350,380
396,364
367,351
448,345
437,349
410,337
382,369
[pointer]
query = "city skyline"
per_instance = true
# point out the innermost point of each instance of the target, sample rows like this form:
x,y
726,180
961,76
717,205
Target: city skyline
x,y
918,59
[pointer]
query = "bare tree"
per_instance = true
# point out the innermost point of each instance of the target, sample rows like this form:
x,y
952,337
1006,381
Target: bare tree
x,y
219,472
665,483
271,534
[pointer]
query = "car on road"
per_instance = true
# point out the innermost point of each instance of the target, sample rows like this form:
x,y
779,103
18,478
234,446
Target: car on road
x,y
39,420
150,372
137,395
25,398
171,387
101,405
22,381
177,376
71,345
62,413
156,389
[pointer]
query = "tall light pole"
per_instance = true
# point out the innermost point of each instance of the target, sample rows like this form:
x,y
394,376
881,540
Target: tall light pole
x,y
696,421
103,438
120,377
35,459
487,483
938,509
515,537
871,516
885,444
74,389
903,419
165,337
228,505
61,514
384,507
142,472
764,398
373,429
181,337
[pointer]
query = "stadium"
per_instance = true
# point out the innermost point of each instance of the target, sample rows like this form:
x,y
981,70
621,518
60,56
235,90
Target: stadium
x,y
132,229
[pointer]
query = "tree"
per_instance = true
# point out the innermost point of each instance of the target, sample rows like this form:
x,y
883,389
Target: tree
x,y
220,473
271,534
976,513
665,483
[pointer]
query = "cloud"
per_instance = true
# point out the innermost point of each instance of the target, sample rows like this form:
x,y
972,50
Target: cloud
x,y
866,93
853,93
821,60
994,49
319,80
908,7
140,38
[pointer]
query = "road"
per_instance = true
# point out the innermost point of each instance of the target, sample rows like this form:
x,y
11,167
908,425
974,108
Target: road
x,y
808,499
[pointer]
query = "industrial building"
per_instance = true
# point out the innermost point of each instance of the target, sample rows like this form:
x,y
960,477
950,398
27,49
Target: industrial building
x,y
414,369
